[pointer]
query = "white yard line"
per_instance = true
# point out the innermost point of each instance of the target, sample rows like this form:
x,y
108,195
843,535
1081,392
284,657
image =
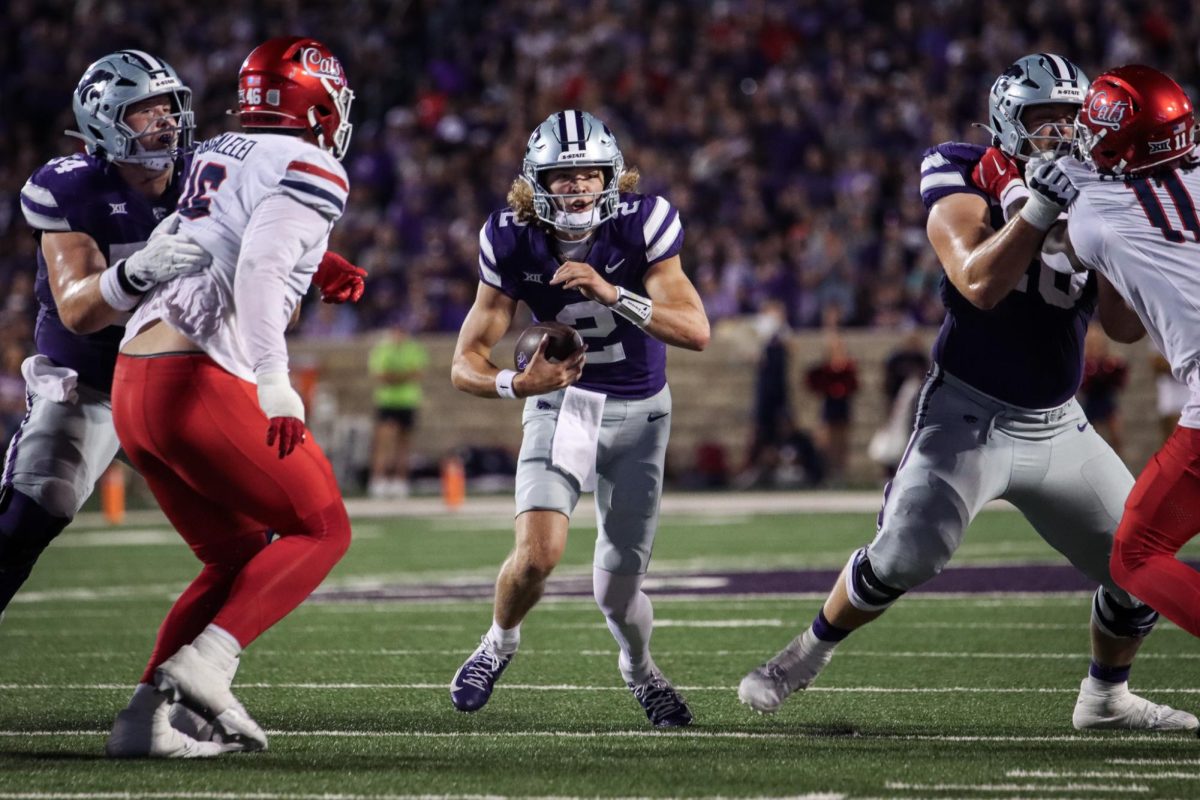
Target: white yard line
x,y
1039,788
1101,774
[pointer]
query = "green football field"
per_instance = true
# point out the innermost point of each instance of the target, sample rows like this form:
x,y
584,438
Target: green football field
x,y
966,694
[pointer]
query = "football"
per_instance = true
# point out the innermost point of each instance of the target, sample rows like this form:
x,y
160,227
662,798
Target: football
x,y
564,342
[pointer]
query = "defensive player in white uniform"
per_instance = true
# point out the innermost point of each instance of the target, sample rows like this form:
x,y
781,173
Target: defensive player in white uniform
x,y
1135,221
204,407
997,416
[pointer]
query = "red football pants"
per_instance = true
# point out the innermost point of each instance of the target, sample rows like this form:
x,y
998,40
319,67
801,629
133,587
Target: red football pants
x,y
196,434
1161,515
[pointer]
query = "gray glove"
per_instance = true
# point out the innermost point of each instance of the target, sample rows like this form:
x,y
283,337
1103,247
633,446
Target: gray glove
x,y
1050,192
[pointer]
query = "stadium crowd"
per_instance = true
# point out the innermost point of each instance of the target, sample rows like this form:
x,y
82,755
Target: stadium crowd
x,y
787,133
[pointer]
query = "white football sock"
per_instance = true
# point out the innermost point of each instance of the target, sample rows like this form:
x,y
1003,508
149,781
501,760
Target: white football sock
x,y
219,647
505,640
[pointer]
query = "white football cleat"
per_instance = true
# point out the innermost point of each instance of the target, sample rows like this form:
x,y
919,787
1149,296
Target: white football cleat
x,y
1121,709
189,678
138,734
764,689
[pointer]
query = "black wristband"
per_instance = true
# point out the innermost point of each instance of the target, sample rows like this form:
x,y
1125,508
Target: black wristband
x,y
127,283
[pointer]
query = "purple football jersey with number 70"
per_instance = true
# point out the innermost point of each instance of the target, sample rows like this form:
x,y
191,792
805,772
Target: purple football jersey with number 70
x,y
519,260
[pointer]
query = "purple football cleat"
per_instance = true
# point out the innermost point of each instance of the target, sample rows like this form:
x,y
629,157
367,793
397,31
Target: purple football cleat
x,y
665,707
475,679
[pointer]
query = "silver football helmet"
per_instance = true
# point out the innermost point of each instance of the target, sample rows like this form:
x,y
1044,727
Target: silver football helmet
x,y
109,87
1033,80
572,139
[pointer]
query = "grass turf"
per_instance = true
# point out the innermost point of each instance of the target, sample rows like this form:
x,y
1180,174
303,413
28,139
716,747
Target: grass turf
x,y
946,696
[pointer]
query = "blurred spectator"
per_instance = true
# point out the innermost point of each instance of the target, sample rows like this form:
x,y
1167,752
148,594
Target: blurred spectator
x,y
1104,376
396,364
790,133
834,380
12,388
903,372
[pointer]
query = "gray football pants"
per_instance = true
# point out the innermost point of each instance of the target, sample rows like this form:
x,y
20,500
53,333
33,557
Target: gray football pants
x,y
969,448
630,458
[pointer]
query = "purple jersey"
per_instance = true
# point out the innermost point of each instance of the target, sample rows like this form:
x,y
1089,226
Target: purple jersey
x,y
1028,350
84,194
519,260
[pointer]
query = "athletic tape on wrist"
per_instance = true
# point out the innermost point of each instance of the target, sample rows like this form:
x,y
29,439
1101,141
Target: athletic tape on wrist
x,y
633,307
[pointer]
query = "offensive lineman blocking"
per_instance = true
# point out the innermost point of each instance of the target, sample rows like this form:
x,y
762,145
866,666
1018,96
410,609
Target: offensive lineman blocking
x,y
202,380
1005,425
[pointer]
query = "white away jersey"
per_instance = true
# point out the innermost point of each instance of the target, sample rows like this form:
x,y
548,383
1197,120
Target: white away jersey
x,y
1143,235
231,175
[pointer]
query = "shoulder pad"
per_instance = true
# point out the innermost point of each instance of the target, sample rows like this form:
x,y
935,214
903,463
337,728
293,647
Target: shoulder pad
x,y
662,228
50,196
946,170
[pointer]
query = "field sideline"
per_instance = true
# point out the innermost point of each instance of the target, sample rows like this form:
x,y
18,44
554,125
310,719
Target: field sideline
x,y
963,691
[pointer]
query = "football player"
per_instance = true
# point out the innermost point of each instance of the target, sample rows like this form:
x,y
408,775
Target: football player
x,y
203,404
92,214
1134,221
578,245
997,417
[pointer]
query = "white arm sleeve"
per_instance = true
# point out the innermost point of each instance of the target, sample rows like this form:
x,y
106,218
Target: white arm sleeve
x,y
280,232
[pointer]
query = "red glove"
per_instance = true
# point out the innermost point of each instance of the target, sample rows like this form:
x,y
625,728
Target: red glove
x,y
289,431
339,280
998,176
284,411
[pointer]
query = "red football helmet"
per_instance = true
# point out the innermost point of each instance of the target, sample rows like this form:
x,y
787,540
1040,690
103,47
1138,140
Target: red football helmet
x,y
1134,118
295,82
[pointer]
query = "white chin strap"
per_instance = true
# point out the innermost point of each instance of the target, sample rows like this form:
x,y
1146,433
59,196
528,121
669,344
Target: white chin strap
x,y
576,220
150,159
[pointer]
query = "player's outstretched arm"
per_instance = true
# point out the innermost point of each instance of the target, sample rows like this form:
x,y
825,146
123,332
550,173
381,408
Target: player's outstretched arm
x,y
74,263
472,370
984,265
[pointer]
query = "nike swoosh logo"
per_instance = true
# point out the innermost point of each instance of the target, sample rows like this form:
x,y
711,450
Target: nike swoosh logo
x,y
999,169
656,417
1081,427
611,267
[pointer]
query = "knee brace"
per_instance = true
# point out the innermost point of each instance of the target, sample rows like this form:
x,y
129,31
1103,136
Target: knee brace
x,y
1121,622
865,590
25,529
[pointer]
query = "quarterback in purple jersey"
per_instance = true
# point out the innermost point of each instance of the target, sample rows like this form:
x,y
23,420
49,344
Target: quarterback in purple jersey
x,y
93,214
577,244
997,417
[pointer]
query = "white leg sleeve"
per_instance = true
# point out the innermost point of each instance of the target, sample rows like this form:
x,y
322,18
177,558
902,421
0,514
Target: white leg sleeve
x,y
630,617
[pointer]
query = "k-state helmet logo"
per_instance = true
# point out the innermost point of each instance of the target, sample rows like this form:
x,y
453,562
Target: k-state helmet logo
x,y
1106,114
321,66
93,84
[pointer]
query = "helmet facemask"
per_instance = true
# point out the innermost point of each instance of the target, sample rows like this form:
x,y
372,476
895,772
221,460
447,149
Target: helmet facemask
x,y
338,141
556,209
573,140
182,131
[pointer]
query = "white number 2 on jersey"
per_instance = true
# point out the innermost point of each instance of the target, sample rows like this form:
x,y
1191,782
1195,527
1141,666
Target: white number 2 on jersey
x,y
603,323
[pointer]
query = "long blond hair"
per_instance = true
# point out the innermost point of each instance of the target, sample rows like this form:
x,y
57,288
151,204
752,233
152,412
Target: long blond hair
x,y
520,194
